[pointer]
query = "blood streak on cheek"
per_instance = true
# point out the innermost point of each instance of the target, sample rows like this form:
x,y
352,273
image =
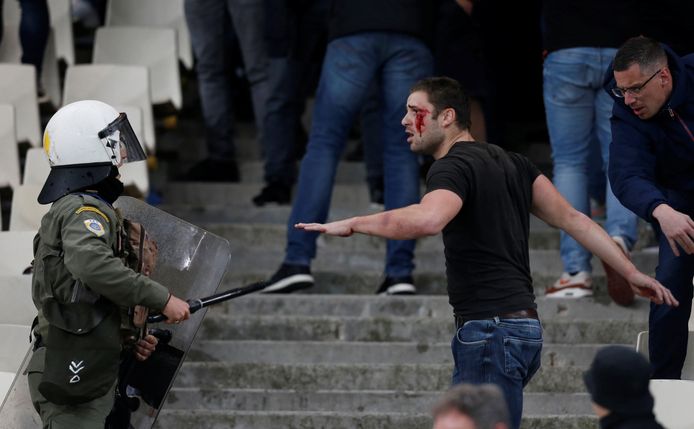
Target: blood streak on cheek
x,y
419,120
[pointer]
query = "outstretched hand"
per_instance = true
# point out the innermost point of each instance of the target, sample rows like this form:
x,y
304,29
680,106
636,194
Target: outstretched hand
x,y
340,228
651,288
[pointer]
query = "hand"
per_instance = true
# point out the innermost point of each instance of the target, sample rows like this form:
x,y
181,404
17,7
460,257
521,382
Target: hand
x,y
176,310
677,227
145,347
651,288
466,5
341,228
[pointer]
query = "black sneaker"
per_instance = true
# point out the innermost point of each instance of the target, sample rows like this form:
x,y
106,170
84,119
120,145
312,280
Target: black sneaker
x,y
209,170
289,278
273,193
397,286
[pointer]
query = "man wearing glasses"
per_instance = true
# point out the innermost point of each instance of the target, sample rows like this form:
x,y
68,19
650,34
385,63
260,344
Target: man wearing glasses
x,y
652,173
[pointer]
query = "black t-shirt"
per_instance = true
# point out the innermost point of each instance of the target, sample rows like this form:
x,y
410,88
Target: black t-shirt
x,y
486,244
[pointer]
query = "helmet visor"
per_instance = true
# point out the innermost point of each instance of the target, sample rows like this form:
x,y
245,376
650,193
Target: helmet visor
x,y
121,143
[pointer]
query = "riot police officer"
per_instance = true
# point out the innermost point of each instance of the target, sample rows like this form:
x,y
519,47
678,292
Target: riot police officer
x,y
80,283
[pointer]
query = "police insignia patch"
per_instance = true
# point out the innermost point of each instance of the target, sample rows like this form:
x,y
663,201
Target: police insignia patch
x,y
94,226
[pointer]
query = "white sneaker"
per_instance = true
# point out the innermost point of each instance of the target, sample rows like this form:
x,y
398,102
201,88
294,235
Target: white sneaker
x,y
568,286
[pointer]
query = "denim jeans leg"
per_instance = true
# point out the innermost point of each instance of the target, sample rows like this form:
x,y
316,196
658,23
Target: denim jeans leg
x,y
620,221
348,70
409,60
668,326
281,115
248,17
208,22
34,27
569,110
371,135
505,352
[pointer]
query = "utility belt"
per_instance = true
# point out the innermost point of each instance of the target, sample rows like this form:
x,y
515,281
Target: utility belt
x,y
529,313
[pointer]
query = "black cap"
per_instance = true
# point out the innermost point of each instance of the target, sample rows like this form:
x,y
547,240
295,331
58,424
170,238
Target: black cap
x,y
618,380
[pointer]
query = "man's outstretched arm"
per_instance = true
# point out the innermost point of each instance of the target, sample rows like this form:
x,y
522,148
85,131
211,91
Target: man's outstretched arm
x,y
429,217
552,208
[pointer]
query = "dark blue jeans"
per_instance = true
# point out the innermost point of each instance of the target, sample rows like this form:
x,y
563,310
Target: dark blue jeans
x,y
352,63
505,352
668,326
33,31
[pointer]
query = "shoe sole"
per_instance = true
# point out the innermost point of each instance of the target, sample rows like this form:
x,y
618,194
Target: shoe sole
x,y
570,292
290,284
400,289
617,287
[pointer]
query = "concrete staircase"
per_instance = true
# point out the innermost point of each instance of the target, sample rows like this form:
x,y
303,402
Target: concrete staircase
x,y
338,356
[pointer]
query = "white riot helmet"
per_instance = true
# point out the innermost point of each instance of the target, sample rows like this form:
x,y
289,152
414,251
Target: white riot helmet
x,y
84,141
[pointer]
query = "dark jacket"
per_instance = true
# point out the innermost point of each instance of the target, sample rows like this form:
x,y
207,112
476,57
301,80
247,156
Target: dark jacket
x,y
652,161
614,421
412,17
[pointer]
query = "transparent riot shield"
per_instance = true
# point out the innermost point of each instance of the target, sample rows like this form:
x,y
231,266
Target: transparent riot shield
x,y
17,411
191,262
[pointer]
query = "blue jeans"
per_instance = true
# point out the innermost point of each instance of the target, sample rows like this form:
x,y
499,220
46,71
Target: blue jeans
x,y
352,63
34,27
209,22
578,112
371,137
505,352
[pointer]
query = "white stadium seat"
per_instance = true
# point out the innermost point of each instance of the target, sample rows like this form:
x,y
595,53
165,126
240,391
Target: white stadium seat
x,y
9,156
61,22
26,212
154,48
36,167
154,13
16,251
121,86
673,403
18,88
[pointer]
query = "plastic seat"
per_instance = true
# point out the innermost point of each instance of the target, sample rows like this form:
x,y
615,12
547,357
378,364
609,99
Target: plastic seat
x,y
15,340
154,48
123,87
61,21
9,156
36,167
11,50
26,212
154,13
687,369
673,402
6,379
16,251
18,88
16,296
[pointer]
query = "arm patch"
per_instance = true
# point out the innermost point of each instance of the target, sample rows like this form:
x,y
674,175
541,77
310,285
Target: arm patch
x,y
92,209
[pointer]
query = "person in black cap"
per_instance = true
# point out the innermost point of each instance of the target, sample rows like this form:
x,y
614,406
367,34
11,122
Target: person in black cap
x,y
617,381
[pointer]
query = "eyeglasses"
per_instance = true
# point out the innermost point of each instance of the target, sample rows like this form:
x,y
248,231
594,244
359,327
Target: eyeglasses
x,y
634,90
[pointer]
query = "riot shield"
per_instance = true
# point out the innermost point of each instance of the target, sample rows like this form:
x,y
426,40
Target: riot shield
x,y
191,262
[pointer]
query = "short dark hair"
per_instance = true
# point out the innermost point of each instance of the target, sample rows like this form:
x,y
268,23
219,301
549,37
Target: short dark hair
x,y
644,51
446,93
483,403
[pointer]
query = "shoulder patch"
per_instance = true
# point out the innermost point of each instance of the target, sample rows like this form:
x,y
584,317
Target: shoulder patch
x,y
92,209
95,226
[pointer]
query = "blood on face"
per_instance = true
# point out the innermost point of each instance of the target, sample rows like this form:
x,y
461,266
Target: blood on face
x,y
419,120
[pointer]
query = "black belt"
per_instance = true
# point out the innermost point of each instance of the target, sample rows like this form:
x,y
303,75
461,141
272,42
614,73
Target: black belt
x,y
529,313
